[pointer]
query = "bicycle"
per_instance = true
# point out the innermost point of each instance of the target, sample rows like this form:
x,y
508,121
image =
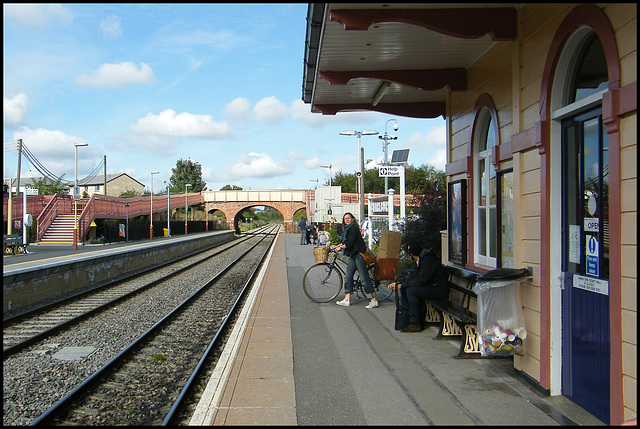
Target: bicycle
x,y
323,281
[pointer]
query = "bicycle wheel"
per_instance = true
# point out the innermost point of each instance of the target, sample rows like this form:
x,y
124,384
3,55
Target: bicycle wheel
x,y
321,283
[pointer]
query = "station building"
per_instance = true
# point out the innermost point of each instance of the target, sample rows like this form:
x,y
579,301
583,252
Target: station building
x,y
540,107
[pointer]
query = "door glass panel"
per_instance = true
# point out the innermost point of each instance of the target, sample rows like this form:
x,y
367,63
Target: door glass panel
x,y
604,213
571,226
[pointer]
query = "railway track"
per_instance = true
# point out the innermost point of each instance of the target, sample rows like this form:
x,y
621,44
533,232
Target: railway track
x,y
27,329
149,381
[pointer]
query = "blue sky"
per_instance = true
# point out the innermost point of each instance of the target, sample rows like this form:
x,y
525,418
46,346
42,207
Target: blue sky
x,y
149,84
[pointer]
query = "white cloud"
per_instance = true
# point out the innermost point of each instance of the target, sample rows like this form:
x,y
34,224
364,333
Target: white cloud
x,y
38,15
55,150
270,110
117,75
238,109
439,160
15,109
258,165
433,142
111,27
435,138
302,111
167,123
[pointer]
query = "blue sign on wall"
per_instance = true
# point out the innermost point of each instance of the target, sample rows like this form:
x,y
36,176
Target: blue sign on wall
x,y
593,261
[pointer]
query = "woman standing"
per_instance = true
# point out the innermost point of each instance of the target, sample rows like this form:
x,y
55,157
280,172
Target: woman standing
x,y
353,245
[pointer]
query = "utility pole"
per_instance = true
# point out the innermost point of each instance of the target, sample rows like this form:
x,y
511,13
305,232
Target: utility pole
x,y
105,175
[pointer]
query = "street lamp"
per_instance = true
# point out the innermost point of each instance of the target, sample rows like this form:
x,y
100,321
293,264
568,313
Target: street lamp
x,y
385,143
168,210
361,173
186,207
76,193
127,233
329,167
151,213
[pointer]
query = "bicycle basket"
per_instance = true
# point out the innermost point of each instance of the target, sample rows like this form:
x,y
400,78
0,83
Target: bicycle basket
x,y
321,253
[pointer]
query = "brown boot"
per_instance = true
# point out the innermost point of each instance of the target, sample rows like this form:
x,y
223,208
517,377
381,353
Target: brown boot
x,y
413,327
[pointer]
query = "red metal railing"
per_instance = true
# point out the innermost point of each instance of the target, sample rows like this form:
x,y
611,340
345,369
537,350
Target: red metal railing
x,y
107,207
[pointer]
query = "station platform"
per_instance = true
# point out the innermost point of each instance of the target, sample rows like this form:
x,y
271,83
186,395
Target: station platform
x,y
292,361
44,254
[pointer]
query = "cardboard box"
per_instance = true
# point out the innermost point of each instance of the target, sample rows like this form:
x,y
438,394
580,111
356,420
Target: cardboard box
x,y
389,244
386,269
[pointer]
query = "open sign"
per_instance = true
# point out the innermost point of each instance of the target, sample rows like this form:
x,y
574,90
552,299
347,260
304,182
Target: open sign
x,y
591,224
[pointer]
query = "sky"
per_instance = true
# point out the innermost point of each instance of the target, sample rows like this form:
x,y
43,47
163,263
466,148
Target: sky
x,y
149,84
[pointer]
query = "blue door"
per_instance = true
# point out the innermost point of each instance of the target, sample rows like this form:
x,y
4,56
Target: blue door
x,y
585,264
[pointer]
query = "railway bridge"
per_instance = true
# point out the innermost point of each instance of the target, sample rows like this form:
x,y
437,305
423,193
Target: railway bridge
x,y
230,203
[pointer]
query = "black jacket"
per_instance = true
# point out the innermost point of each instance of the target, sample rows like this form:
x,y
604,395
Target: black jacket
x,y
353,241
429,273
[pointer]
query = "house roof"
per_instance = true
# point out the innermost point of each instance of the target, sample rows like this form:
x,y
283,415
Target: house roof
x,y
96,180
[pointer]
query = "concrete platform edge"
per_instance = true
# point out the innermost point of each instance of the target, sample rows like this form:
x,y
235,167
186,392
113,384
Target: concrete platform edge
x,y
212,408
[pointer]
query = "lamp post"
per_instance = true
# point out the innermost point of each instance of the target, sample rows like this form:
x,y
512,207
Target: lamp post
x,y
127,233
75,199
151,213
385,138
360,172
329,167
186,207
168,210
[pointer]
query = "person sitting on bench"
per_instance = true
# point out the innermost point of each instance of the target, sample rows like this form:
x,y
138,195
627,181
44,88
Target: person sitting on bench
x,y
428,282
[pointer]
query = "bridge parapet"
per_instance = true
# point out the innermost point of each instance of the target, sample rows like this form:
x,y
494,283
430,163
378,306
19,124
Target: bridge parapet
x,y
277,195
286,201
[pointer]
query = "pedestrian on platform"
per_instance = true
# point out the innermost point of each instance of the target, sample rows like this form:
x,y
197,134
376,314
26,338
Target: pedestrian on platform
x,y
353,245
303,230
308,236
428,282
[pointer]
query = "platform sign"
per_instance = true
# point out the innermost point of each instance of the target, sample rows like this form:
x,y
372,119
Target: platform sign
x,y
76,193
591,284
379,206
389,171
593,260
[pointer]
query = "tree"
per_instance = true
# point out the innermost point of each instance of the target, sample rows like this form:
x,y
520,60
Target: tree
x,y
231,188
415,179
431,214
187,172
47,186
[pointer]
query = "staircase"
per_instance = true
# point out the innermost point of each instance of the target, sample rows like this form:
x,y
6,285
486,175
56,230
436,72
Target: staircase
x,y
60,231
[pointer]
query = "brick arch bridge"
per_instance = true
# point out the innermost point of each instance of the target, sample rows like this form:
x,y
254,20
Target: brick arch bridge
x,y
287,202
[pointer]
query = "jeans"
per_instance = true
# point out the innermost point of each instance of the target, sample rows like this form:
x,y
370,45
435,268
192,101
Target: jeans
x,y
357,262
303,236
415,297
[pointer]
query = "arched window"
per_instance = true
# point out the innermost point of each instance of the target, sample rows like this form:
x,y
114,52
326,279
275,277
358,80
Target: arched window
x,y
591,70
485,190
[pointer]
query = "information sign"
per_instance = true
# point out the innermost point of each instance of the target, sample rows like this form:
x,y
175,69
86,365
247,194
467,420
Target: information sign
x,y
591,284
389,171
593,263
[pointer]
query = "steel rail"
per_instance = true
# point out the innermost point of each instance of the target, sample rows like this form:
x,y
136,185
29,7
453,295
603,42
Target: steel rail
x,y
59,408
180,401
11,350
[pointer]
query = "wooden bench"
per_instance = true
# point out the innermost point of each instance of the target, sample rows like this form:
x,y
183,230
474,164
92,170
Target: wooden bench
x,y
13,244
453,315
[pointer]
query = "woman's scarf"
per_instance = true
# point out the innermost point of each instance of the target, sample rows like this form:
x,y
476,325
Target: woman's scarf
x,y
344,233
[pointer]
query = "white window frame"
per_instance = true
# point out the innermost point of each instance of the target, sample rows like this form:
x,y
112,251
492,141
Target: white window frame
x,y
484,157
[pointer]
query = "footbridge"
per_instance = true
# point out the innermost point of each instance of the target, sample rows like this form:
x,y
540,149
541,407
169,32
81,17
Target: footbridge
x,y
230,203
